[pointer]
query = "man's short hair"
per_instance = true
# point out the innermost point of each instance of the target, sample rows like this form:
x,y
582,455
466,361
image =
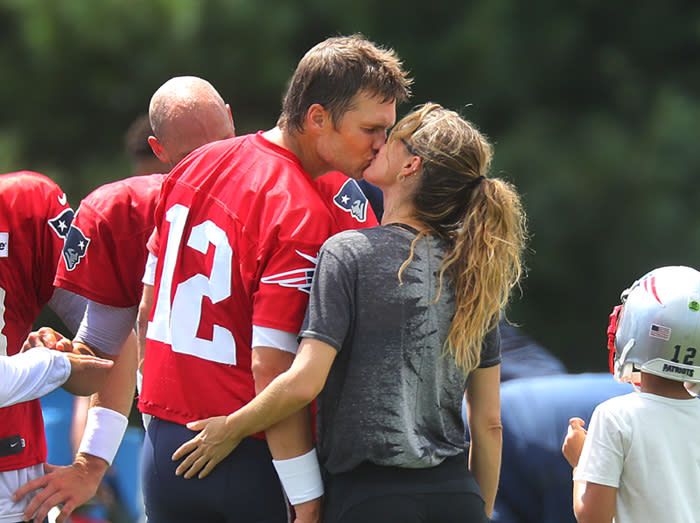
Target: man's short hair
x,y
334,71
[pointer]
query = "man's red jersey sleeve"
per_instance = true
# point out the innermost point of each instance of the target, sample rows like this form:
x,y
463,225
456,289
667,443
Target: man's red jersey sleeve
x,y
105,252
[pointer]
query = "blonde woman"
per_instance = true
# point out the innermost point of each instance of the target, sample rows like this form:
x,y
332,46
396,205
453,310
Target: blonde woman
x,y
401,322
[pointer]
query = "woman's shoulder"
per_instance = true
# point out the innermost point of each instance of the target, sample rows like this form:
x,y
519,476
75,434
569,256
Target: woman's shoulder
x,y
356,243
351,236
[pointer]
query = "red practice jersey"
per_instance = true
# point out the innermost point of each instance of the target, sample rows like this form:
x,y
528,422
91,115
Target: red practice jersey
x,y
105,251
34,219
238,228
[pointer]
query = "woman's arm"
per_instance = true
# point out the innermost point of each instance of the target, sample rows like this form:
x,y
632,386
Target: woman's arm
x,y
484,419
286,394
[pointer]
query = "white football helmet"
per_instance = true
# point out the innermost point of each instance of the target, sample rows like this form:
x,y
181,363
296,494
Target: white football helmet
x,y
657,327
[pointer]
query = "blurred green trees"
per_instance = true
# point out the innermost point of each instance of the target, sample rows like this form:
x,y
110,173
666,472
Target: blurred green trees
x,y
594,108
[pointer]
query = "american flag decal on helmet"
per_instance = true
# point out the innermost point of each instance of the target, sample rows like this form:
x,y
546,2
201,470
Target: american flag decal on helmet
x,y
351,199
659,331
297,278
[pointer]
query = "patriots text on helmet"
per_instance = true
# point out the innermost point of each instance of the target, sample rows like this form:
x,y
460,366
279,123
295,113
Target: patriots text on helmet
x,y
678,370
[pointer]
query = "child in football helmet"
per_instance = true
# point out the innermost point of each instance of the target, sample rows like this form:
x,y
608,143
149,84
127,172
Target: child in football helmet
x,y
637,461
657,328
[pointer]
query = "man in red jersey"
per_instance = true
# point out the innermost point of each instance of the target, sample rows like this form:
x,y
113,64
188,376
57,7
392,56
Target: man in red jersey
x,y
103,260
238,227
34,220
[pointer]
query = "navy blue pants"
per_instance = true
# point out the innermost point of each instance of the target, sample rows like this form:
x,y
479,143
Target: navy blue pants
x,y
243,488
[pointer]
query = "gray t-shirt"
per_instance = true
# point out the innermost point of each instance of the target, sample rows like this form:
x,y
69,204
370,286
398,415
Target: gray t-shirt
x,y
393,396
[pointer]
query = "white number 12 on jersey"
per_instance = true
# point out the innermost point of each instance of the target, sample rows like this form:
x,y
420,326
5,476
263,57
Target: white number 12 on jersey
x,y
176,323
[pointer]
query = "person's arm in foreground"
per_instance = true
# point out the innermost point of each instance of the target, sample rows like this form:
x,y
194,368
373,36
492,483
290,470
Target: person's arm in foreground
x,y
270,411
593,503
73,485
292,436
485,429
33,374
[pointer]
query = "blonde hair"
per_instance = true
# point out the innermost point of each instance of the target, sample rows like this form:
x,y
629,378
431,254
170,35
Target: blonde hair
x,y
480,218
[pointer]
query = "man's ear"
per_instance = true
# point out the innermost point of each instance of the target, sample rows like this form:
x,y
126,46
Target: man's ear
x,y
317,118
230,116
158,150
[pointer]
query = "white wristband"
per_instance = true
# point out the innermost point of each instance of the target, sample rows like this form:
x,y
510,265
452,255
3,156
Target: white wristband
x,y
300,477
103,433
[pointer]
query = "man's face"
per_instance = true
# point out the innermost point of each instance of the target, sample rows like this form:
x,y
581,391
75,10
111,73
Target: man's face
x,y
352,145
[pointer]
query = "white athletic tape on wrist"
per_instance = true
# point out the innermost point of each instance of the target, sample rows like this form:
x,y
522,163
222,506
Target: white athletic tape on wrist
x,y
103,433
300,477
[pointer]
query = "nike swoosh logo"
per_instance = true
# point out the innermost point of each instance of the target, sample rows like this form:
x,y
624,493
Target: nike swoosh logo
x,y
62,199
14,444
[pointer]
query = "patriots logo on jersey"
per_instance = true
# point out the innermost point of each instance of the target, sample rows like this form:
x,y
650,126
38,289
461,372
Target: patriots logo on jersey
x,y
75,247
61,223
351,199
297,278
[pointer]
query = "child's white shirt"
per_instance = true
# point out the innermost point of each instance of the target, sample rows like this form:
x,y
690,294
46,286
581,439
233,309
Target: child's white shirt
x,y
646,446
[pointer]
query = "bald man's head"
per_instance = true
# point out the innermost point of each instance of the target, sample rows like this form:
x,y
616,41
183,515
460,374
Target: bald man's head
x,y
185,113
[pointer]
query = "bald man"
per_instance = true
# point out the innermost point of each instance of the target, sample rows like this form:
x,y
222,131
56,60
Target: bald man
x,y
103,260
185,113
